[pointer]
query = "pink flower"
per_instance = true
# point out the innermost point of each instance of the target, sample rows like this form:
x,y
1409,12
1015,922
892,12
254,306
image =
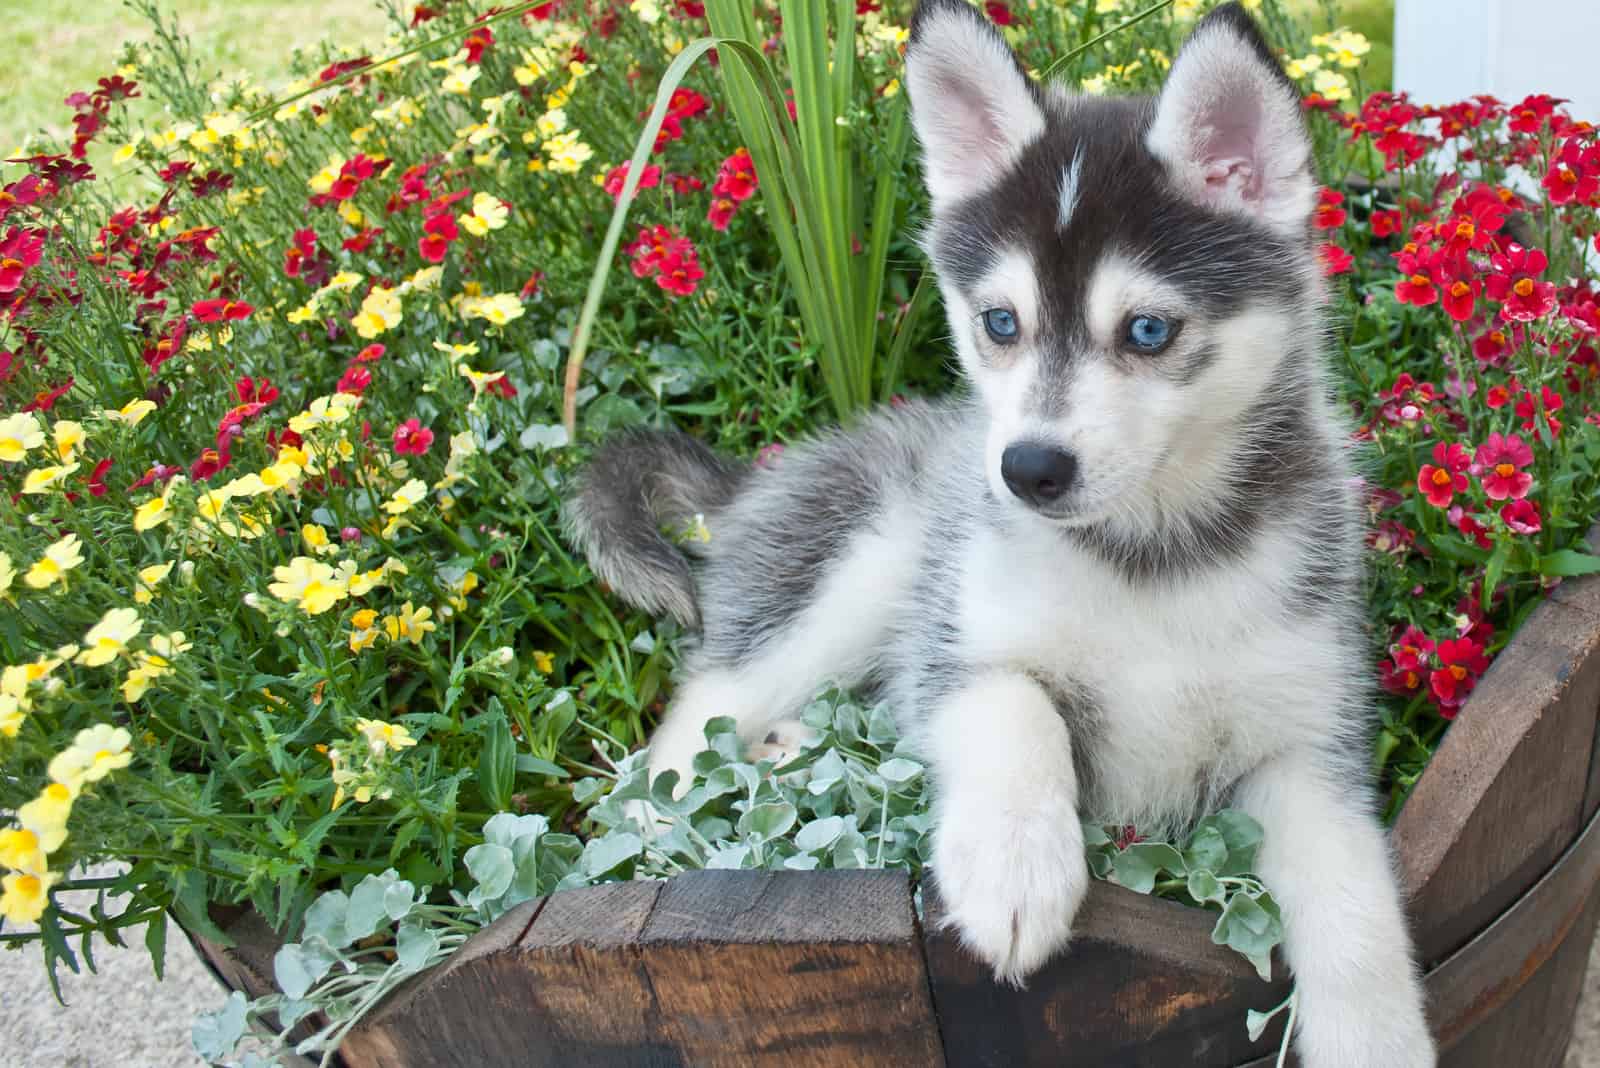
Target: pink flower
x,y
1442,482
412,437
1522,517
1461,662
1499,462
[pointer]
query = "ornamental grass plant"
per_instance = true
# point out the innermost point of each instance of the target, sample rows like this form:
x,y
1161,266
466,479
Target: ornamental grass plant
x,y
286,615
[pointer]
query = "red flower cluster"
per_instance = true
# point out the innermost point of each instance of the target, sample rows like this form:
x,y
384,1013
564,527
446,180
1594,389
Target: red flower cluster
x,y
685,104
353,172
1450,668
412,438
649,178
671,258
439,227
736,182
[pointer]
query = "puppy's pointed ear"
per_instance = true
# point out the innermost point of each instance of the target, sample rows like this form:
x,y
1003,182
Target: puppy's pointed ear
x,y
972,104
1228,126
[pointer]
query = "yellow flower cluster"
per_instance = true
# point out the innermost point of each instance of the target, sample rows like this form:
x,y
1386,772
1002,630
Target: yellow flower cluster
x,y
364,783
1340,49
41,824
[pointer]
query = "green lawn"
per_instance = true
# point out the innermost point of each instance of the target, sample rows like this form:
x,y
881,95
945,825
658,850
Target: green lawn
x,y
51,48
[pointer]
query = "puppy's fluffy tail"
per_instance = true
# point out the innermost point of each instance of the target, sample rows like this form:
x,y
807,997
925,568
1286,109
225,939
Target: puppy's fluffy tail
x,y
638,483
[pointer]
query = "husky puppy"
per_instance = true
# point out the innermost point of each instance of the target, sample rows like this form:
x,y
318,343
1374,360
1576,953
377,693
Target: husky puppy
x,y
1119,579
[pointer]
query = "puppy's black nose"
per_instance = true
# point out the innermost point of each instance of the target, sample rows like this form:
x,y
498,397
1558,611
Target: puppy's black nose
x,y
1037,473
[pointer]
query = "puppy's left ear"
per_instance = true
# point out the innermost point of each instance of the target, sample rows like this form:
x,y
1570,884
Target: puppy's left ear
x,y
1228,126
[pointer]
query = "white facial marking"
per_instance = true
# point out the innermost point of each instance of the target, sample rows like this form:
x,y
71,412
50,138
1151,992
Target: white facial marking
x,y
1068,202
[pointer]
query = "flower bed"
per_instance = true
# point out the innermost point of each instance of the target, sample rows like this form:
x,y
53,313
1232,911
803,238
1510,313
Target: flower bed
x,y
282,446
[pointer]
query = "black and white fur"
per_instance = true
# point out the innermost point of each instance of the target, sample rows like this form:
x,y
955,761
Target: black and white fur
x,y
1177,625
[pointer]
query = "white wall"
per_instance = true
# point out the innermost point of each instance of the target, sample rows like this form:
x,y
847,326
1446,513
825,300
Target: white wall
x,y
1447,50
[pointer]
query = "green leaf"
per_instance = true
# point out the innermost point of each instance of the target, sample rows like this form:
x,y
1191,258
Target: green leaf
x,y
155,943
1137,866
528,764
1204,887
215,1034
607,853
819,834
1492,571
1207,849
367,907
190,905
497,761
326,919
769,820
415,947
492,866
899,771
1567,563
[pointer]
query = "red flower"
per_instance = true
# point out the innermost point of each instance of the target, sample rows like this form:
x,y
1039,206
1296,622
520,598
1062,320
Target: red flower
x,y
355,380
1402,672
255,391
1329,215
1335,260
1442,482
433,249
736,177
999,13
720,214
219,310
1385,223
1522,517
97,478
1500,461
679,273
1461,661
1515,283
1470,527
1497,397
1529,115
371,354
1416,289
1551,402
213,181
359,243
1459,296
1490,347
649,178
412,437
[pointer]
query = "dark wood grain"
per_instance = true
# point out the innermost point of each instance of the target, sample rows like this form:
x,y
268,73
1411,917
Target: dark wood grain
x,y
1141,984
813,968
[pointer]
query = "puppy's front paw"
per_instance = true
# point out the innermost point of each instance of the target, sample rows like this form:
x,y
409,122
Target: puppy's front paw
x,y
1011,883
1383,1028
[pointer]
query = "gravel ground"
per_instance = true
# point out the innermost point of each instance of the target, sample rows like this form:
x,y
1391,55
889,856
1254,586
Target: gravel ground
x,y
123,1018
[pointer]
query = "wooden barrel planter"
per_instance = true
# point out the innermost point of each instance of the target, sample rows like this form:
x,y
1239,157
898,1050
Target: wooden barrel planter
x,y
1498,852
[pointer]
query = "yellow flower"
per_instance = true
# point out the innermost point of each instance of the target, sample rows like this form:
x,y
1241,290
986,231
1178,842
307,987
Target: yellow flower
x,y
151,513
406,497
411,624
308,583
68,437
107,638
363,630
481,380
13,711
95,753
499,309
1299,68
147,668
380,310
1331,85
58,559
459,79
8,572
384,737
488,213
457,352
316,539
543,662
567,153
18,434
20,851
649,11
132,413
25,896
41,479
149,578
459,589
46,815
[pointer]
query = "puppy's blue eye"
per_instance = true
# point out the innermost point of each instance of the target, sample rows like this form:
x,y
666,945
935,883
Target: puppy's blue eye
x,y
1001,324
1149,332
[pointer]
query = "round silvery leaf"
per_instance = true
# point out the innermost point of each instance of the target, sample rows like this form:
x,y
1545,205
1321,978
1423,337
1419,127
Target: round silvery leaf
x,y
492,867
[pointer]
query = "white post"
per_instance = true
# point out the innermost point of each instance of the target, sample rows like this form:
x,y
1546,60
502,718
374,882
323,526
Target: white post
x,y
1447,50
